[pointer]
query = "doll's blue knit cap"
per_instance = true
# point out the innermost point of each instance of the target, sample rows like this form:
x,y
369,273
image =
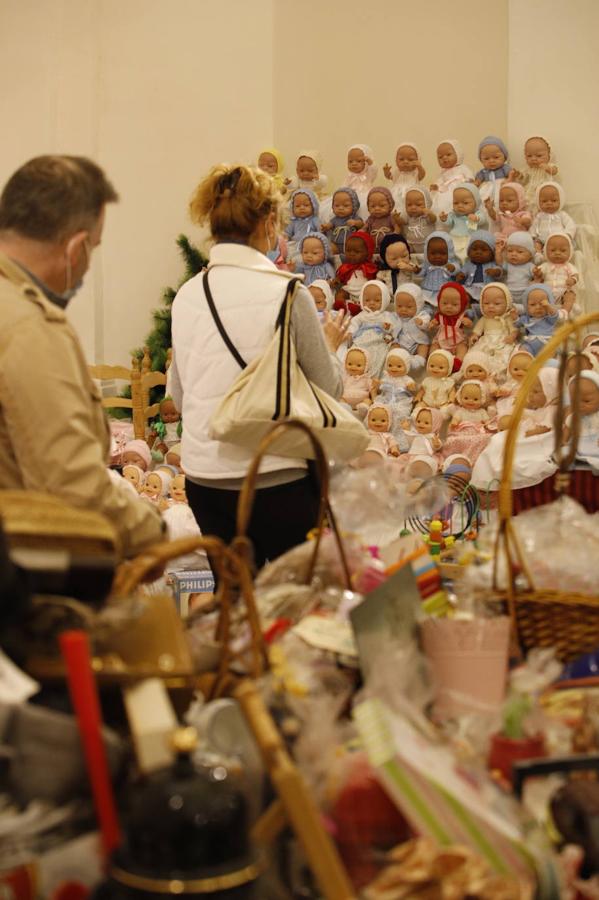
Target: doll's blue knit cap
x,y
537,287
491,139
355,200
444,237
311,196
472,188
482,235
319,237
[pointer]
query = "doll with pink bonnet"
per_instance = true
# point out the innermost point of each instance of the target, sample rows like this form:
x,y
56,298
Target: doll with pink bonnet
x,y
538,169
453,172
380,221
551,216
450,319
558,272
513,214
518,365
471,424
322,296
407,172
379,422
372,328
423,431
137,453
358,385
438,386
308,174
417,218
361,171
494,334
396,387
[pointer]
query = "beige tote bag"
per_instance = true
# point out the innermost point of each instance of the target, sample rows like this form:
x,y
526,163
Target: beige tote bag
x,y
273,387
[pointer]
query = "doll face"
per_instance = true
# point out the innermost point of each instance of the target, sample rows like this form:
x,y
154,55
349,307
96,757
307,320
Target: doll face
x,y
320,301
378,419
493,302
536,303
306,169
378,204
588,401
342,205
302,206
450,302
130,456
437,366
508,199
153,485
397,253
536,396
405,306
557,249
475,372
436,252
492,157
405,158
516,255
471,396
424,421
132,474
479,252
549,199
356,161
536,152
396,367
312,251
463,202
415,203
519,365
169,412
177,489
372,299
268,163
356,251
446,156
355,362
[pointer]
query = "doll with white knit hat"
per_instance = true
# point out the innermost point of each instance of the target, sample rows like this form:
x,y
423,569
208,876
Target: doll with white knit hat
x,y
410,322
518,365
396,387
361,172
558,272
417,218
309,174
359,387
345,219
551,216
466,216
476,367
322,295
423,429
453,172
438,386
407,172
315,258
471,424
539,168
379,424
156,487
494,333
372,328
516,257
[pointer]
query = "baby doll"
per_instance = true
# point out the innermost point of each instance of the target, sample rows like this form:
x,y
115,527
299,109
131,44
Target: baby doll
x,y
378,422
558,273
453,172
480,267
358,385
167,427
304,218
396,265
518,267
518,365
408,171
156,487
476,367
537,170
361,169
494,333
438,387
279,254
344,221
380,221
539,321
271,162
512,214
315,258
410,322
551,217
440,262
417,220
372,328
449,319
308,174
539,413
135,475
395,387
352,275
138,453
423,431
466,216
177,490
470,424
419,470
493,155
588,408
322,296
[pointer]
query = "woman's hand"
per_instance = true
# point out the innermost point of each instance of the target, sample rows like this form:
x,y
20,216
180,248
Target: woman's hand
x,y
335,329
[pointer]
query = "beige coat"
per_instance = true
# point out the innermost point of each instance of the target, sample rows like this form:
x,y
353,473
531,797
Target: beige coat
x,y
54,436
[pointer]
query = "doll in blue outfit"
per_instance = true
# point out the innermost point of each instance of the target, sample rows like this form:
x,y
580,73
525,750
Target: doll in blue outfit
x,y
345,220
480,267
396,388
493,155
467,215
440,262
538,322
315,262
517,258
410,323
304,218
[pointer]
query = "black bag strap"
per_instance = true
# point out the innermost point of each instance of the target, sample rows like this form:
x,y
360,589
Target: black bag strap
x,y
221,328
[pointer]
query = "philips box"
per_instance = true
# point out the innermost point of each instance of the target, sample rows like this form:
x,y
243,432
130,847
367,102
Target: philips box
x,y
194,581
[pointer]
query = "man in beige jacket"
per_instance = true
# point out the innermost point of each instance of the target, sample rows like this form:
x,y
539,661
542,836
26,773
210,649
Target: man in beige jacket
x,y
54,436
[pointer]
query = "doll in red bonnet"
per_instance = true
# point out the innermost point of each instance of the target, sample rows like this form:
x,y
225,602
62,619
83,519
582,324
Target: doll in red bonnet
x,y
450,319
353,274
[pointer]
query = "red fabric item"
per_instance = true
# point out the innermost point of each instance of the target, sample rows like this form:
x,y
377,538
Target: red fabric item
x,y
449,323
346,270
347,306
584,487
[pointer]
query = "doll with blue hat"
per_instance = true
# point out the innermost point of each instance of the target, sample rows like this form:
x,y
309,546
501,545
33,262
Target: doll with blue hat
x,y
516,258
372,328
345,219
493,155
467,215
303,207
439,265
480,267
315,262
410,323
540,318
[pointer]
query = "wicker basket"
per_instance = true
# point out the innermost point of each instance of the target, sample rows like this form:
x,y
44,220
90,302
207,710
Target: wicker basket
x,y
544,618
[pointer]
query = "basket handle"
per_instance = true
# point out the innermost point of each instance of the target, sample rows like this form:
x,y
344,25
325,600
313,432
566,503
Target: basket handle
x,y
248,493
131,573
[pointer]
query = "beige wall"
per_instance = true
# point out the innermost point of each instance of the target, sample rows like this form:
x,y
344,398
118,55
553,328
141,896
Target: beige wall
x,y
383,72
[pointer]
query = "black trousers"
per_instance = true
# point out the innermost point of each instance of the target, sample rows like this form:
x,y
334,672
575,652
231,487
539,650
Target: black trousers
x,y
281,516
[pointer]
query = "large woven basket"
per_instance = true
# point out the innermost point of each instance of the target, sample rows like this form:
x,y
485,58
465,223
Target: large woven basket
x,y
568,622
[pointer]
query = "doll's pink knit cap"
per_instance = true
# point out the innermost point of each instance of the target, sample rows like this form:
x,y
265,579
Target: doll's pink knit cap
x,y
519,191
140,447
437,417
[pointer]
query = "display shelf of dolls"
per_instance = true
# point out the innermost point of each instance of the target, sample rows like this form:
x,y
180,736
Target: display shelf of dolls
x,y
438,386
396,264
358,384
450,157
372,328
438,266
344,221
494,333
352,275
559,273
407,172
396,388
381,220
410,323
495,166
309,175
303,220
315,259
466,216
449,320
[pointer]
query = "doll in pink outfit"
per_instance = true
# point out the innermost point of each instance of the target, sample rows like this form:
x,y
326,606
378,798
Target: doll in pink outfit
x,y
518,365
423,431
358,385
471,424
513,214
558,273
378,422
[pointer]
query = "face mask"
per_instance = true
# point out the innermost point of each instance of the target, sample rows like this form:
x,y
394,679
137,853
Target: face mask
x,y
67,295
